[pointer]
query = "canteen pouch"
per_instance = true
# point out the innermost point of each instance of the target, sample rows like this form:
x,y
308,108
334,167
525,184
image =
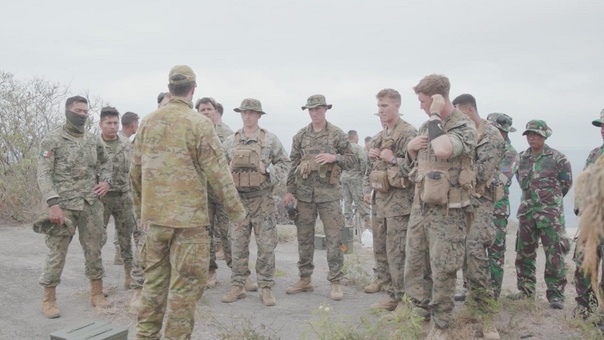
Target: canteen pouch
x,y
435,189
395,180
245,158
378,180
336,171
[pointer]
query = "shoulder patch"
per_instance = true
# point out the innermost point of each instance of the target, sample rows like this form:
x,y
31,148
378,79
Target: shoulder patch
x,y
46,154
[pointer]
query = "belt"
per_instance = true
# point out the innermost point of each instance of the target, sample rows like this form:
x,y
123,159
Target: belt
x,y
254,194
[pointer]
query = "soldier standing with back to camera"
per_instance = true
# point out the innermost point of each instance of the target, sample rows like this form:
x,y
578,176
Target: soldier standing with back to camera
x,y
320,151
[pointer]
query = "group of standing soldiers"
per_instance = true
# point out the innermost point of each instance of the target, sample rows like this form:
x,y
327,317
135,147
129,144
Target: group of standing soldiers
x,y
438,197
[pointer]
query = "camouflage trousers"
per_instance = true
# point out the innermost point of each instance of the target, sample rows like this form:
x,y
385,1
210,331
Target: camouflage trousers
x,y
585,293
219,233
138,274
497,255
555,244
261,219
389,237
119,205
435,244
89,223
176,264
353,192
480,237
330,214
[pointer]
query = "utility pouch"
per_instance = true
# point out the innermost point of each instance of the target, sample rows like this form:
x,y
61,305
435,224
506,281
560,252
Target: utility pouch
x,y
395,180
378,180
254,179
236,179
497,192
244,179
245,158
435,188
336,171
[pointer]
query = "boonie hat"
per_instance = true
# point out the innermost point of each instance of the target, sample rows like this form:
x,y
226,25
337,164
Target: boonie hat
x,y
43,226
598,122
181,74
501,121
250,104
316,100
538,126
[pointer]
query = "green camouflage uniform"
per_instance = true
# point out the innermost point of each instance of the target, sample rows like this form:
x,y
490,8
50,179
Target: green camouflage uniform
x,y
315,194
352,186
118,201
436,233
585,295
176,155
67,170
219,220
508,166
392,209
544,179
260,206
489,151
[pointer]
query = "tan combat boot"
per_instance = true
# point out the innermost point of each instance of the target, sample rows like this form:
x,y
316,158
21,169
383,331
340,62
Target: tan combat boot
x,y
49,303
117,258
489,331
387,304
303,285
336,292
267,297
234,294
127,277
212,281
97,298
373,287
250,286
135,302
438,334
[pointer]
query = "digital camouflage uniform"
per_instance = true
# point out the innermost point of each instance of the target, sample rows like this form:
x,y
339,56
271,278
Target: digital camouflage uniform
x,y
392,208
259,203
319,194
176,155
67,171
544,179
118,201
488,155
436,233
352,186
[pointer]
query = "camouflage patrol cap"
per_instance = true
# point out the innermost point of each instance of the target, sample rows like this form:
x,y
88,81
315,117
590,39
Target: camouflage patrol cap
x,y
42,225
501,121
250,104
598,122
538,126
181,74
315,101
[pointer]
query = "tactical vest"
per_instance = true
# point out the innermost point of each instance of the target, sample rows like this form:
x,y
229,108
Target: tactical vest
x,y
492,189
308,164
443,182
384,175
245,164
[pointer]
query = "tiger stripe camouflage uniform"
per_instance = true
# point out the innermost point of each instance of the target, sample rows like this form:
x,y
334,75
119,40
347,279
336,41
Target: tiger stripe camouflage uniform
x,y
544,180
352,186
176,155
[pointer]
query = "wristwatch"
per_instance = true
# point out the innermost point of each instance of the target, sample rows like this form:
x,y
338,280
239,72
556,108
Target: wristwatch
x,y
394,161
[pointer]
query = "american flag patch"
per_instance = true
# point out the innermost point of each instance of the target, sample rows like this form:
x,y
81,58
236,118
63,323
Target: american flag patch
x,y
46,154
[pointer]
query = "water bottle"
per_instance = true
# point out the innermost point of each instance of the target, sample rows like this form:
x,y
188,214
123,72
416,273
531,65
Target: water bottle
x,y
367,239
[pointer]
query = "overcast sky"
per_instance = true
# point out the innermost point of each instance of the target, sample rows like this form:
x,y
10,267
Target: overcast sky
x,y
529,59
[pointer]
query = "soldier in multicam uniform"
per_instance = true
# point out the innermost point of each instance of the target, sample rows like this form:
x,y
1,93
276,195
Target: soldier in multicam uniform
x,y
586,299
118,201
352,182
258,163
163,98
440,159
487,190
545,177
320,151
176,156
219,221
507,168
392,198
67,171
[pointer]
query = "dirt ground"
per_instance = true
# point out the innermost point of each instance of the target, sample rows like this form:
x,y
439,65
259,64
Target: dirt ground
x,y
22,253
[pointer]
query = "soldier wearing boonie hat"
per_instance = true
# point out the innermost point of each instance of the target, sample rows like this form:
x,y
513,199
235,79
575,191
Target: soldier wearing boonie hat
x,y
585,295
545,177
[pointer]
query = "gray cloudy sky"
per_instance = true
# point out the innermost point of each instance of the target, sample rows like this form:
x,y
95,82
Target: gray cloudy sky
x,y
530,59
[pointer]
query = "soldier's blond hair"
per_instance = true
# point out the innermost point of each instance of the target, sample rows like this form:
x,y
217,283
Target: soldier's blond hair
x,y
389,93
433,84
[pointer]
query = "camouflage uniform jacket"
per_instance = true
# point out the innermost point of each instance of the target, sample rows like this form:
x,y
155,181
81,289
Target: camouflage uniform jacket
x,y
67,167
223,131
355,175
176,155
308,142
507,168
397,201
489,151
544,179
121,165
591,159
273,155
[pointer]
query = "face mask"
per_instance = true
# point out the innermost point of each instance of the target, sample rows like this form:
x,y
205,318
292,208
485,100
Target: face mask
x,y
75,119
